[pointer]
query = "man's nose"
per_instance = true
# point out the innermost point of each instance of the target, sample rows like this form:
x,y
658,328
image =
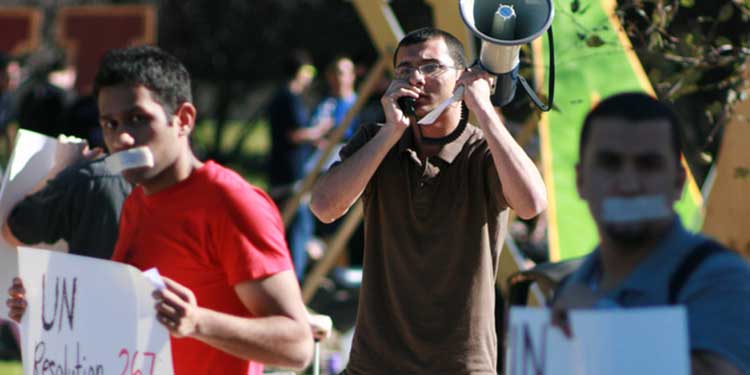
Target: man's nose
x,y
416,78
124,140
629,180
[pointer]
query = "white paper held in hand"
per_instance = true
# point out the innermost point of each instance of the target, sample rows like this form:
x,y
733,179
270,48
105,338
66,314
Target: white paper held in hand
x,y
128,159
431,117
152,274
69,150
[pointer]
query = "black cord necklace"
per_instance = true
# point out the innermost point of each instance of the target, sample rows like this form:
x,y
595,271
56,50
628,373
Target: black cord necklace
x,y
453,135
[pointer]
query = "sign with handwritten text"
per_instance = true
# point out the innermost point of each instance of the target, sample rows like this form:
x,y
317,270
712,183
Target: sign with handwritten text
x,y
642,341
89,316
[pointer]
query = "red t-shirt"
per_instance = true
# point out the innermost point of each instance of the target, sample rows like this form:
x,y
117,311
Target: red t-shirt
x,y
209,233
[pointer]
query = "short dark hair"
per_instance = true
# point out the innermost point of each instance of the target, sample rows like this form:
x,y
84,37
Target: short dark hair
x,y
161,73
294,60
455,48
333,65
633,107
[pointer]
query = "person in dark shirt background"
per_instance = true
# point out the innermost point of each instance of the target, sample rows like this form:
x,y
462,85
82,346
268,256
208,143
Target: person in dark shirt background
x,y
291,145
42,107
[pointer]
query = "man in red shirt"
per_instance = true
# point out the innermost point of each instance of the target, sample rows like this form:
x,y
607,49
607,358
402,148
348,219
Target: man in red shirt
x,y
231,301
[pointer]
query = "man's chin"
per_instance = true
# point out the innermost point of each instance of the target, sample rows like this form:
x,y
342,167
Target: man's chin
x,y
420,112
635,233
628,237
423,106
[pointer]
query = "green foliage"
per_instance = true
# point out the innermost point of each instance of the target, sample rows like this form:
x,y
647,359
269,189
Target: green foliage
x,y
726,12
246,145
594,41
696,54
10,368
687,3
690,46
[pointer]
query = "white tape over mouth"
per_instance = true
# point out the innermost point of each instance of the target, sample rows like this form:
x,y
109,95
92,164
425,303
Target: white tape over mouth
x,y
129,159
635,209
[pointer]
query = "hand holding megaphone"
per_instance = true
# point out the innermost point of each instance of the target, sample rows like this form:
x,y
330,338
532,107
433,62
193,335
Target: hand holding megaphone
x,y
474,86
503,27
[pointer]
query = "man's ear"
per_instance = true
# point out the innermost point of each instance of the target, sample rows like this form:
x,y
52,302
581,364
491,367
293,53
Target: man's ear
x,y
185,115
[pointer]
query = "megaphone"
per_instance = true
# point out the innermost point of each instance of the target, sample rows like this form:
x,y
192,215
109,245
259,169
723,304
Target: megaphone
x,y
504,26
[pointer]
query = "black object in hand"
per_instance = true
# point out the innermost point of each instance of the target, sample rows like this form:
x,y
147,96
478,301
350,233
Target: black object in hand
x,y
407,104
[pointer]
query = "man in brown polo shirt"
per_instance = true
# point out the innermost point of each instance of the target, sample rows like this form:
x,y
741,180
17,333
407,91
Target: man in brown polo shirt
x,y
436,199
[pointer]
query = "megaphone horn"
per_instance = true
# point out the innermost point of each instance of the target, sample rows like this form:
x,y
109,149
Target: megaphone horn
x,y
504,26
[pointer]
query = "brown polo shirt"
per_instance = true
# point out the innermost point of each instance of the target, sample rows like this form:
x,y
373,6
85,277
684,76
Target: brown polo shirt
x,y
433,236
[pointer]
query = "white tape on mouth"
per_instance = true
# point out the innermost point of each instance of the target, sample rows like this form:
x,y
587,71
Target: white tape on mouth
x,y
635,209
431,117
129,159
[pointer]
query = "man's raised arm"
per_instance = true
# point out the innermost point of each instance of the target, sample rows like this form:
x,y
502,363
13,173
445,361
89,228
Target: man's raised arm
x,y
337,190
523,187
279,333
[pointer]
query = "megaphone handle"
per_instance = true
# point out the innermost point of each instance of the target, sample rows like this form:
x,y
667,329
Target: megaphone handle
x,y
551,80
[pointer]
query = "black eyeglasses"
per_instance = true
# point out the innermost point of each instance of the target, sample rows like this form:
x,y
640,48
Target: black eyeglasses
x,y
427,70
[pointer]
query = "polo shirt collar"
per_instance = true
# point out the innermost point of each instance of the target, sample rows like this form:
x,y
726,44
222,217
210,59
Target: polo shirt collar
x,y
653,273
447,153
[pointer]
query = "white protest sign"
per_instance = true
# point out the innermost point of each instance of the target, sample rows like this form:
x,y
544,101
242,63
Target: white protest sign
x,y
89,316
33,156
535,347
642,341
634,341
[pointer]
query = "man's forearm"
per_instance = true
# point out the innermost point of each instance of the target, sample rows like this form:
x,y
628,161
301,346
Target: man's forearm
x,y
274,340
523,187
339,188
311,134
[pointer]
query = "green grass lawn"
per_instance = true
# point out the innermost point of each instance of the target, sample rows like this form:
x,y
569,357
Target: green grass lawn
x,y
10,368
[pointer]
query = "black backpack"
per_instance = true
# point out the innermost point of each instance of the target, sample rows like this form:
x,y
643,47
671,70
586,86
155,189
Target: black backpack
x,y
696,257
551,276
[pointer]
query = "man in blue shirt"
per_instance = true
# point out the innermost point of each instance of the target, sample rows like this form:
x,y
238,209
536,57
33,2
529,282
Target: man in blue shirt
x,y
630,175
340,76
291,145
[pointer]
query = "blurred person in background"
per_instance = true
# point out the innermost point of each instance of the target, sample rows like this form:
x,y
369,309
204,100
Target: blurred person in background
x,y
49,93
292,143
340,76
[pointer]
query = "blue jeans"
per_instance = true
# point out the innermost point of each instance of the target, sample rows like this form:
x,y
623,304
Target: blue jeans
x,y
298,234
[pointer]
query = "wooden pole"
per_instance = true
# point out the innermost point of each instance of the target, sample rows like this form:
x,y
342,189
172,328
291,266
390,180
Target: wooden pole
x,y
728,205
